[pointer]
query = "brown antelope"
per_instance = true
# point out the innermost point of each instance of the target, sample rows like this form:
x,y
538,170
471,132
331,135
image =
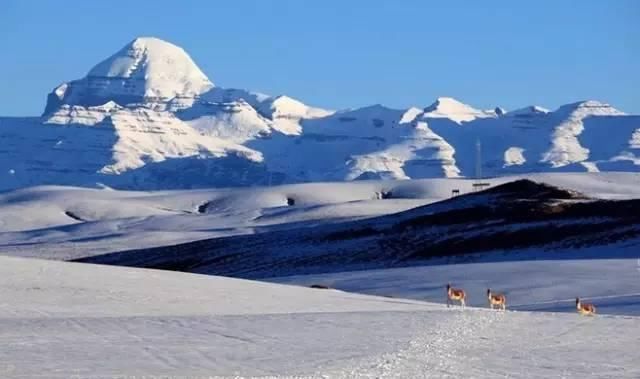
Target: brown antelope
x,y
455,294
497,299
585,309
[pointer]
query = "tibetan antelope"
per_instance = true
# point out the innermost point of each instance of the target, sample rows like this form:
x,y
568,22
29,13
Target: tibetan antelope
x,y
497,299
455,294
585,309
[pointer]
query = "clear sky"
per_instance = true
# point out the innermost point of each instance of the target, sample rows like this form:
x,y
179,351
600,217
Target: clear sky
x,y
338,53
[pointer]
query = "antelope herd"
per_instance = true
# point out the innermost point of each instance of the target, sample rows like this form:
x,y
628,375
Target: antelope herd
x,y
499,300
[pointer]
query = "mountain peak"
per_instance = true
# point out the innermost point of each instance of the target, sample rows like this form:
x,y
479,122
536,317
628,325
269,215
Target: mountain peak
x,y
145,69
590,107
446,103
448,107
152,67
529,111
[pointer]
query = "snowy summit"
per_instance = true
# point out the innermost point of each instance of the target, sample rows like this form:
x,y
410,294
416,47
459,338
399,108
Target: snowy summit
x,y
147,68
153,68
448,107
147,117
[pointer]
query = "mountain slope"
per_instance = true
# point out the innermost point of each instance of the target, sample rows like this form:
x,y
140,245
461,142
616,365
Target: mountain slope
x,y
151,119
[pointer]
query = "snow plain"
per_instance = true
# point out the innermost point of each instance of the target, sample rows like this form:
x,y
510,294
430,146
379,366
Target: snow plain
x,y
62,320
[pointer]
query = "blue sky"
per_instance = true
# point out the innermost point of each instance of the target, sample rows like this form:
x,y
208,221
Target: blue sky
x,y
340,54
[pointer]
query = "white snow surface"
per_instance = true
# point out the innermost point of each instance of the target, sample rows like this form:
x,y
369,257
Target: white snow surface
x,y
514,156
66,222
532,285
448,107
148,118
192,134
63,320
150,68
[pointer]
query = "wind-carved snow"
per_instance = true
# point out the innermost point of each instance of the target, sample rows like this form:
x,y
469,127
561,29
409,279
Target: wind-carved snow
x,y
634,142
235,121
410,115
281,113
367,143
631,156
513,156
140,135
241,116
76,114
286,114
421,150
565,146
590,166
145,135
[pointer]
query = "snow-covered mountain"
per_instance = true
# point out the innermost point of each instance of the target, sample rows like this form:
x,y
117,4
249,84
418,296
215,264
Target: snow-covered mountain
x,y
147,117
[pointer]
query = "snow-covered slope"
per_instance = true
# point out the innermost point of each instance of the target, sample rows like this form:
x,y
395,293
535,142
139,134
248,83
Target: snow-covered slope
x,y
114,145
520,220
65,320
148,118
68,223
533,285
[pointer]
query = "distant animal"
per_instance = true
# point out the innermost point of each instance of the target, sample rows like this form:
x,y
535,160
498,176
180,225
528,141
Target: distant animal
x,y
585,309
455,294
497,300
320,286
455,192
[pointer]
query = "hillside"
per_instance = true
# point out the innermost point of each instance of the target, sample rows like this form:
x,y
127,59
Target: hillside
x,y
148,118
99,321
500,222
532,284
69,223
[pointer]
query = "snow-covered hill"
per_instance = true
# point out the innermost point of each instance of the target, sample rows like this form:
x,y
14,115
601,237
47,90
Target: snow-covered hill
x,y
148,118
516,220
69,223
73,320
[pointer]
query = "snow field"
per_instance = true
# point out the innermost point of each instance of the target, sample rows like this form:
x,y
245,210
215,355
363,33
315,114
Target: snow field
x,y
63,319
